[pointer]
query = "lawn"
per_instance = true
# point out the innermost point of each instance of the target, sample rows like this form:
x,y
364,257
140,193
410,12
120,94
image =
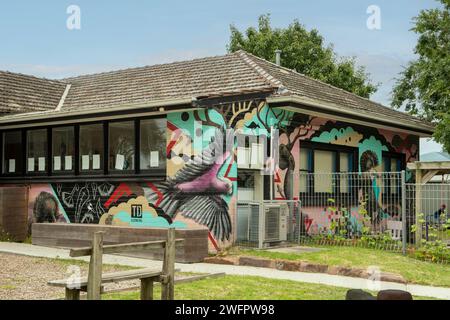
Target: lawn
x,y
245,288
413,270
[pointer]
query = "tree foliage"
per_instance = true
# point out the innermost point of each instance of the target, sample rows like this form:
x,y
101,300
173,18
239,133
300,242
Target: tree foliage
x,y
424,85
304,51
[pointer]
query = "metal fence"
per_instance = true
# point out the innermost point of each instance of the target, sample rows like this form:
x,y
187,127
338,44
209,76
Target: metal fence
x,y
431,202
369,209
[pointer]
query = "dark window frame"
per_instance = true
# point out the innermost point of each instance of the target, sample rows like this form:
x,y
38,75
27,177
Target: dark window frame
x,y
114,172
62,173
2,161
90,172
138,149
338,149
76,174
397,156
48,169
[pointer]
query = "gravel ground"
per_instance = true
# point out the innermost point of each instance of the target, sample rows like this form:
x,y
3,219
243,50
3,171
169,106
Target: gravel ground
x,y
25,278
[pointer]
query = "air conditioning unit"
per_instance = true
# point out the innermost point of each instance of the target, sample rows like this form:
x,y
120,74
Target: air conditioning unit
x,y
276,217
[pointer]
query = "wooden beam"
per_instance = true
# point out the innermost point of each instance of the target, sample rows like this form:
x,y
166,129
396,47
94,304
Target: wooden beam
x,y
418,195
432,165
124,247
429,175
168,277
72,294
95,268
147,289
110,277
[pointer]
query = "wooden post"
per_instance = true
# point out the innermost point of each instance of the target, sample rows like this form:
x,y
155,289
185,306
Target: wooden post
x,y
168,278
147,289
95,268
418,195
72,294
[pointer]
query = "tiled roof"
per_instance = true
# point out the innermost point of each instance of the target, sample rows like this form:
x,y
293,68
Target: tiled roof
x,y
303,86
220,75
23,93
230,74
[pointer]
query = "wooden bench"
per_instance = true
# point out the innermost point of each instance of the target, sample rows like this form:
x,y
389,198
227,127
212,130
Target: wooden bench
x,y
95,279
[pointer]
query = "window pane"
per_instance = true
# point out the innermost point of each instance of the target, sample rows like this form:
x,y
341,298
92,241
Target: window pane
x,y
63,148
12,152
304,168
153,144
394,165
323,163
121,145
91,147
345,160
37,150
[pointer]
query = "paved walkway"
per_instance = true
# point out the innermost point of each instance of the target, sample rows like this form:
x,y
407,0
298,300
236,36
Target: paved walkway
x,y
321,278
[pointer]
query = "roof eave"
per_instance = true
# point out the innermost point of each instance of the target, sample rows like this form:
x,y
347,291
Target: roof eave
x,y
349,116
53,115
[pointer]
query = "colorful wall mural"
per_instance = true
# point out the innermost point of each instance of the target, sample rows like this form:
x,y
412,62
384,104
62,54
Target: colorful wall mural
x,y
201,184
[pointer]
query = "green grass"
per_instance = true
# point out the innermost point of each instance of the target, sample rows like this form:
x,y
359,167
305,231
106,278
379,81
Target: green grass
x,y
413,270
245,288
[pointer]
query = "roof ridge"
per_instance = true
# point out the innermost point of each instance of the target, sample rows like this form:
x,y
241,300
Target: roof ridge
x,y
145,66
59,81
259,70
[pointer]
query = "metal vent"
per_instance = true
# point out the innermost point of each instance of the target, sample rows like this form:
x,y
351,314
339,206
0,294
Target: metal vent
x,y
272,224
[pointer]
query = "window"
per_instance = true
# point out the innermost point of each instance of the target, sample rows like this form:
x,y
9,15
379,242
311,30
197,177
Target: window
x,y
320,165
63,149
12,152
392,162
121,146
305,168
345,166
153,144
324,162
251,151
91,147
37,150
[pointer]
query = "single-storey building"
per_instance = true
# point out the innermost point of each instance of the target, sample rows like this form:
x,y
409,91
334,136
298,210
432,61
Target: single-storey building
x,y
136,147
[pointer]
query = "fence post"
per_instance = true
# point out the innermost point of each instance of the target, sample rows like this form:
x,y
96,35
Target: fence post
x,y
404,222
95,267
167,287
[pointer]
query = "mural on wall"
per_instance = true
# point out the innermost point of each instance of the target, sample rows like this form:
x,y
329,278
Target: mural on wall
x,y
196,190
44,206
201,184
137,212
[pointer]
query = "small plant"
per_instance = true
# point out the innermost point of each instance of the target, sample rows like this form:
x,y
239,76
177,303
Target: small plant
x,y
432,248
5,236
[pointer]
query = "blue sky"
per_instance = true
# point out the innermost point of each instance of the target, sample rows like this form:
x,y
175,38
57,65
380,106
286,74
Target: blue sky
x,y
120,34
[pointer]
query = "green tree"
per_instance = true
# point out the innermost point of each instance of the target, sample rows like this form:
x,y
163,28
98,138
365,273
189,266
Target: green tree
x,y
303,51
424,86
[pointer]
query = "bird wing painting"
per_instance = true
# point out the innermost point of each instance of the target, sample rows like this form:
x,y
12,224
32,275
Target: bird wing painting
x,y
197,191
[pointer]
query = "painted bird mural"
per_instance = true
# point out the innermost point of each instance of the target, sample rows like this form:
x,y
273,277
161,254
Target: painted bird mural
x,y
197,191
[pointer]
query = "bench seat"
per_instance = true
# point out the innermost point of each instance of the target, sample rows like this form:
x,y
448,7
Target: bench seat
x,y
107,278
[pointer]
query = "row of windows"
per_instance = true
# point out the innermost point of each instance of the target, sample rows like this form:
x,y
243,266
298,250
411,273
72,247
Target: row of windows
x,y
88,143
318,158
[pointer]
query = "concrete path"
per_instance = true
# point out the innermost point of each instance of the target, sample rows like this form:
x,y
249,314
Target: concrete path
x,y
320,278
